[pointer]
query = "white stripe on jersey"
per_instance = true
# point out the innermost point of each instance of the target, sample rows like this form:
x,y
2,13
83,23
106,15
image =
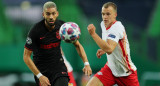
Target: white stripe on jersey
x,y
119,61
68,65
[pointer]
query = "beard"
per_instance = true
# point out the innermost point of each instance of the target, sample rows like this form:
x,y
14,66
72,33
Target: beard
x,y
50,24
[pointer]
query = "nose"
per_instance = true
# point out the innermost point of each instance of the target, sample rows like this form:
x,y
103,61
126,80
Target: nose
x,y
51,17
105,16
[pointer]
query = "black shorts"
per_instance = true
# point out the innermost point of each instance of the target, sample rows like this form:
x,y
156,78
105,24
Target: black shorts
x,y
55,80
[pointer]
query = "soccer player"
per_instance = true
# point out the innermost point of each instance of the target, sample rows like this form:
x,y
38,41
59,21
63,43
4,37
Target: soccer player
x,y
119,69
44,41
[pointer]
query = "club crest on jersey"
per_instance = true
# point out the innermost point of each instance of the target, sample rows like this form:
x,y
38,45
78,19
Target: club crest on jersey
x,y
29,40
57,35
112,36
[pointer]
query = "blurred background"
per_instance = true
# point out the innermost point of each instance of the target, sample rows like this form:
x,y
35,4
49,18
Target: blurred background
x,y
140,18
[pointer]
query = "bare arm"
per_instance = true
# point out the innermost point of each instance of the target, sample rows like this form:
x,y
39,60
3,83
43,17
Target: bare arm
x,y
87,69
81,51
99,53
108,46
27,59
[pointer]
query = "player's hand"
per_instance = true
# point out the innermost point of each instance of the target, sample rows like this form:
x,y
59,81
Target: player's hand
x,y
87,70
91,29
99,53
44,81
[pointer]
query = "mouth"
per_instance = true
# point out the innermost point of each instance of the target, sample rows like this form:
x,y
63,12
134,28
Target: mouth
x,y
51,22
105,20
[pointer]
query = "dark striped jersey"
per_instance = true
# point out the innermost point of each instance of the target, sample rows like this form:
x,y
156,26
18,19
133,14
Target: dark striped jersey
x,y
45,45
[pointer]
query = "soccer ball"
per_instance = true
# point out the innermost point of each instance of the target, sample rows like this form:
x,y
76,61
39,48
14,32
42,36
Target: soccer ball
x,y
69,32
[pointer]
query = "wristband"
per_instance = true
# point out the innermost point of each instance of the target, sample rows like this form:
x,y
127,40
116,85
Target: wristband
x,y
86,63
39,75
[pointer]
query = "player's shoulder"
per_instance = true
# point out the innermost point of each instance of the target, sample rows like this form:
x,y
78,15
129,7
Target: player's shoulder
x,y
40,24
60,22
102,25
117,28
36,27
119,25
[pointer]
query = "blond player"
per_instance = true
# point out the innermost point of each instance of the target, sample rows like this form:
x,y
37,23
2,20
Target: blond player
x,y
119,69
43,41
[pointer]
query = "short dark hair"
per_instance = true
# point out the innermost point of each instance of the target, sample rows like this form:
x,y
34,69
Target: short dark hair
x,y
49,4
108,4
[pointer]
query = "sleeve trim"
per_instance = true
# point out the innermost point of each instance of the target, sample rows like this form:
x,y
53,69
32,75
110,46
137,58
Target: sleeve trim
x,y
28,48
113,40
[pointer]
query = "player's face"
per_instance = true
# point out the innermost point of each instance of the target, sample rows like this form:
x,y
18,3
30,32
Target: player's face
x,y
50,15
108,15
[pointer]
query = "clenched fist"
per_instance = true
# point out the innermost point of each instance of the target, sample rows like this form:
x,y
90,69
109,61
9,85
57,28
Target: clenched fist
x,y
91,29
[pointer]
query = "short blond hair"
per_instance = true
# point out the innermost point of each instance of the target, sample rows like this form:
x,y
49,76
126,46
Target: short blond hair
x,y
49,4
108,4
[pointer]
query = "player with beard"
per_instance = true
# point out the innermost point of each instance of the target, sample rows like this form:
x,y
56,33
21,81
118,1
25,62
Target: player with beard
x,y
44,41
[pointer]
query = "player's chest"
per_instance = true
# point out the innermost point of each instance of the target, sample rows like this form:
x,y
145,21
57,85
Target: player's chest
x,y
49,37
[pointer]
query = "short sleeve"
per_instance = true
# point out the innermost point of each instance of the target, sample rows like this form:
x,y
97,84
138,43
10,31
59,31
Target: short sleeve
x,y
115,34
31,39
103,30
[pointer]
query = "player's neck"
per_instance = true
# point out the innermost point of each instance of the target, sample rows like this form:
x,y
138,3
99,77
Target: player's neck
x,y
109,25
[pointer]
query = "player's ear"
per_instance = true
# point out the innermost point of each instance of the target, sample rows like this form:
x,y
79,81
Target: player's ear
x,y
57,13
43,14
116,14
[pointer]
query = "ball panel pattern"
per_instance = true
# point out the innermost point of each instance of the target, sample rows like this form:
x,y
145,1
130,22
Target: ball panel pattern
x,y
69,32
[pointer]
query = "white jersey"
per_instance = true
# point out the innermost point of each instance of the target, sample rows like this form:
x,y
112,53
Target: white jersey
x,y
119,61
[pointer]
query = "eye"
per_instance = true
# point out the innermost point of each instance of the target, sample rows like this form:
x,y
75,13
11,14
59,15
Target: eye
x,y
103,14
108,14
47,14
53,13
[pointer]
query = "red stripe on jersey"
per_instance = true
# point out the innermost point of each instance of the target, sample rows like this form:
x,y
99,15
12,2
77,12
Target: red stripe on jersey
x,y
49,46
110,26
28,48
125,53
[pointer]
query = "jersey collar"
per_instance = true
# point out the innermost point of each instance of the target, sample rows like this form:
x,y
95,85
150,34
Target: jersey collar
x,y
110,26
